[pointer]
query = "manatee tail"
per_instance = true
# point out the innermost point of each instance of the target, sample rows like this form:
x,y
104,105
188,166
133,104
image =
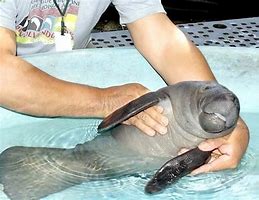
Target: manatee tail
x,y
176,168
32,173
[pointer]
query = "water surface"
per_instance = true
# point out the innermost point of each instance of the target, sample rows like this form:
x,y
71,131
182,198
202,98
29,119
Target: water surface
x,y
240,183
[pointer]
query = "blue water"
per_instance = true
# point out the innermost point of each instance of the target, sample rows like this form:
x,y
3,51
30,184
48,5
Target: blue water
x,y
240,183
236,68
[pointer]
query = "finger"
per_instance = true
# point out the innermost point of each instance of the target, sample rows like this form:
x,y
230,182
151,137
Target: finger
x,y
139,123
151,123
156,113
211,144
127,122
159,109
149,126
221,163
183,150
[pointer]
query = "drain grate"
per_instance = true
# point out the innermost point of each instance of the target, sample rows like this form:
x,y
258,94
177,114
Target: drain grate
x,y
234,33
111,39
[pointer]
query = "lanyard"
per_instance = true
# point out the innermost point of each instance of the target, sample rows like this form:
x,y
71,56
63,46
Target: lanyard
x,y
63,27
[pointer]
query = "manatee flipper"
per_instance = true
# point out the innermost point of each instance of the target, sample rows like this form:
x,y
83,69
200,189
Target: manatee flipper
x,y
131,109
176,168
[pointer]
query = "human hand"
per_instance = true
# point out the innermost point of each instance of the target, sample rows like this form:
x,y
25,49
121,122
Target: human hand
x,y
150,121
227,151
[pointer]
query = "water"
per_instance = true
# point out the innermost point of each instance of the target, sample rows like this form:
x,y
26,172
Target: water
x,y
236,68
240,183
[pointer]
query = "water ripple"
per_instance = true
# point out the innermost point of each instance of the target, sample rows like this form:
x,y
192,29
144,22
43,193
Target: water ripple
x,y
63,133
204,186
66,133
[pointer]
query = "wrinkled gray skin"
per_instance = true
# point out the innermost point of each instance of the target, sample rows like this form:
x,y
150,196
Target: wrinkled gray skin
x,y
196,111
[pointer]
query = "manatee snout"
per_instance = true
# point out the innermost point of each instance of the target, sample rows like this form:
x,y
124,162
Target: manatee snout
x,y
219,112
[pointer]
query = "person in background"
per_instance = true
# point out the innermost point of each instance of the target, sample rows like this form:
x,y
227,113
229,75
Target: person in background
x,y
34,26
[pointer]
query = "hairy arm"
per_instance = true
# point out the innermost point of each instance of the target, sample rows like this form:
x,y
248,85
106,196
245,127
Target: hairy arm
x,y
26,89
177,59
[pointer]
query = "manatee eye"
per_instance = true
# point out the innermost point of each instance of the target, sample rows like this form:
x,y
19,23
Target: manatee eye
x,y
212,122
206,87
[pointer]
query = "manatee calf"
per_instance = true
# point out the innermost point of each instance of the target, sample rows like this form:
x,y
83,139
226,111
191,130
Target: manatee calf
x,y
196,111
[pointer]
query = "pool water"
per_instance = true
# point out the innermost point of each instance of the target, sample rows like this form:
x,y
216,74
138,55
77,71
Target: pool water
x,y
241,183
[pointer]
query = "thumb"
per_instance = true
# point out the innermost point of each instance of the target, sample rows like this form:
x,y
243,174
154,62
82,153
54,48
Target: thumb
x,y
211,144
218,164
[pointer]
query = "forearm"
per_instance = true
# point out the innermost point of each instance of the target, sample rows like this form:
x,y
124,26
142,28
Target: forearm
x,y
173,56
240,137
26,89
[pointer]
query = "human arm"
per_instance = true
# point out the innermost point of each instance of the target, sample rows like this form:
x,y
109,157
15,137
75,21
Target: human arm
x,y
26,89
177,59
168,50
